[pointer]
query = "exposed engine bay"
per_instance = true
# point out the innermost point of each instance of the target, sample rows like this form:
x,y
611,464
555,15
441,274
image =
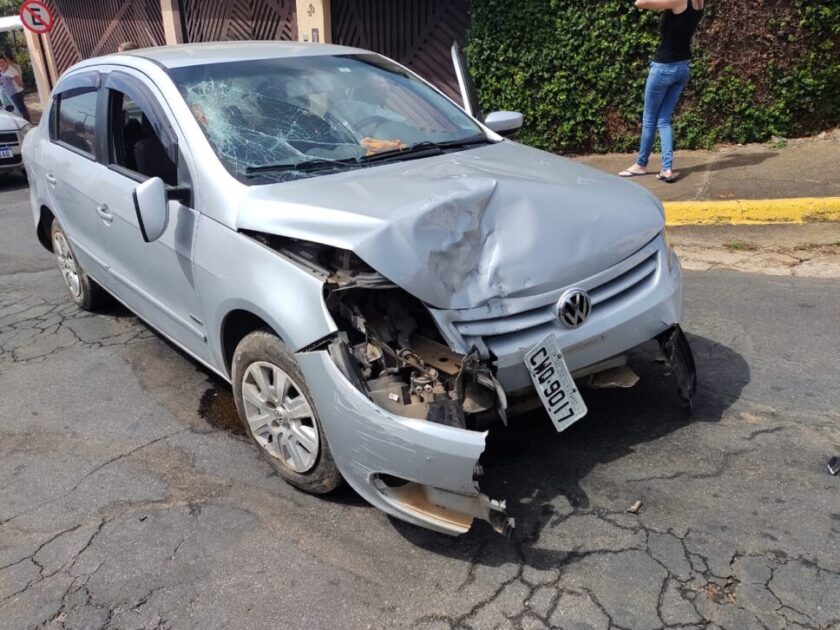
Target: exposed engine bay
x,y
390,347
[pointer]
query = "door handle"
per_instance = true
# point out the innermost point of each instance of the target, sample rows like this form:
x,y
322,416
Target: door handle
x,y
102,211
50,179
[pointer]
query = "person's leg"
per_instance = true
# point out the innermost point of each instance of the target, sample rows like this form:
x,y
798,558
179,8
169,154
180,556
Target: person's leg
x,y
655,90
666,112
18,102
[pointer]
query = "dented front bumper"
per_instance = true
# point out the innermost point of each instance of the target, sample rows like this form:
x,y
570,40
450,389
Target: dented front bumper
x,y
418,471
423,471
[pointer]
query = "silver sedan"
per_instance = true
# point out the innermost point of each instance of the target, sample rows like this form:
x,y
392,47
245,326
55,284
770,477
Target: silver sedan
x,y
380,275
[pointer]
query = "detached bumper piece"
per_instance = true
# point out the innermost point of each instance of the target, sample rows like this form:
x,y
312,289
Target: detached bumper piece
x,y
678,355
451,510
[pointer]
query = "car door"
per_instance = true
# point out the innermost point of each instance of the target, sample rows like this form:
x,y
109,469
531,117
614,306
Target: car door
x,y
69,164
139,141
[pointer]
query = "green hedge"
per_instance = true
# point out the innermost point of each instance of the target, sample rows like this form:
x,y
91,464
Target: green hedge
x,y
576,69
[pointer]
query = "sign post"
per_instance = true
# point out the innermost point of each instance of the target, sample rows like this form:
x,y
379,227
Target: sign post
x,y
38,20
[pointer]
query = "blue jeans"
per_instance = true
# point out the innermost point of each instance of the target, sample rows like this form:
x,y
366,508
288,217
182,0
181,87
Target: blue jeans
x,y
664,85
20,105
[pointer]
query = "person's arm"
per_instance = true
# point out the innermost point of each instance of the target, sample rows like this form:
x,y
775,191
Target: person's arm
x,y
659,5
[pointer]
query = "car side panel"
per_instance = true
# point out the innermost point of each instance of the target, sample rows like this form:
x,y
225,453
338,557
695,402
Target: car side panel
x,y
235,272
70,183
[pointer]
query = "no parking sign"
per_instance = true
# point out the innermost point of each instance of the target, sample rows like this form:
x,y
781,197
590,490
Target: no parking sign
x,y
36,16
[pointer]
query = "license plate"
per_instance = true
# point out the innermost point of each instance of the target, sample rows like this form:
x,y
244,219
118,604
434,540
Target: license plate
x,y
555,384
6,153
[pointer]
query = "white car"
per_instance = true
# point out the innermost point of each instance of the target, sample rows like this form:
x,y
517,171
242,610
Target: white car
x,y
378,273
13,128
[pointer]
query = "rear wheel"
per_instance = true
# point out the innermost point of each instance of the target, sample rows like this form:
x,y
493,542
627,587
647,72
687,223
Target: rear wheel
x,y
83,290
279,414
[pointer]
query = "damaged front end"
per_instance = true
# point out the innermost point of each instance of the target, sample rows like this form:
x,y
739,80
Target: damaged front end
x,y
392,348
403,413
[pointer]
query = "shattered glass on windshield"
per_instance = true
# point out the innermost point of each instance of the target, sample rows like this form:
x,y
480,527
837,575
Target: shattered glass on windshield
x,y
290,118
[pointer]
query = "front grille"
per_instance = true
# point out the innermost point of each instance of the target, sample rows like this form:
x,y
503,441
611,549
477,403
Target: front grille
x,y
625,284
603,294
15,159
8,137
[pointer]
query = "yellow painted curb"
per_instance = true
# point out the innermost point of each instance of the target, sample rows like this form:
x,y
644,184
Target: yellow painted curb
x,y
801,210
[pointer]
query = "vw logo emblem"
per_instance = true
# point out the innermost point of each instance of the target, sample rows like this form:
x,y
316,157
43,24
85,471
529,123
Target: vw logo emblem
x,y
573,308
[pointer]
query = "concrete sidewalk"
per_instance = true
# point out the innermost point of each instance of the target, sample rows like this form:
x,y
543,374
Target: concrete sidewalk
x,y
807,167
795,181
807,250
796,186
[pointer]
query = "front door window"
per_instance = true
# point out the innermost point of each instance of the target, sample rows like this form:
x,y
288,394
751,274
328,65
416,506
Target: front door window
x,y
136,146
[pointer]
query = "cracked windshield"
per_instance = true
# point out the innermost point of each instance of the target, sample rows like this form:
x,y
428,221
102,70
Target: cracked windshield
x,y
275,120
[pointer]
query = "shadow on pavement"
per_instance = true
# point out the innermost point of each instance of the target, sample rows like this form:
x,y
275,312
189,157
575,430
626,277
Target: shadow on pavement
x,y
116,310
531,465
724,162
10,182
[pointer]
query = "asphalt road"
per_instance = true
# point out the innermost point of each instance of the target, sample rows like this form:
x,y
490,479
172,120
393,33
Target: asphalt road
x,y
130,498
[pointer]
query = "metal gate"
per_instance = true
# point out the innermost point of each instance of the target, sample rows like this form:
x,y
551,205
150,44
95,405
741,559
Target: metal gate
x,y
220,20
86,28
417,33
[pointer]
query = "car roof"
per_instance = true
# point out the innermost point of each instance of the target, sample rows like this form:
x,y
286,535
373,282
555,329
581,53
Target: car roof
x,y
220,52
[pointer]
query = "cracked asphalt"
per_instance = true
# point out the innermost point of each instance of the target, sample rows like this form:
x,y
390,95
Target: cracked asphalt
x,y
129,497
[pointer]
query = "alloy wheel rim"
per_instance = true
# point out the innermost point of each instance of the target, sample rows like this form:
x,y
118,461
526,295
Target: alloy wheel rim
x,y
67,264
279,416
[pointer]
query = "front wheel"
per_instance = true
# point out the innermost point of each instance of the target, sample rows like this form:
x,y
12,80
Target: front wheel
x,y
279,414
83,290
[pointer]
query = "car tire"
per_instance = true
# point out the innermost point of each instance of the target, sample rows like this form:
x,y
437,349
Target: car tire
x,y
84,291
278,412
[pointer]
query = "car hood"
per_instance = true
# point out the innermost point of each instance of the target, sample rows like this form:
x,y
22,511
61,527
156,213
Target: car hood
x,y
467,228
10,122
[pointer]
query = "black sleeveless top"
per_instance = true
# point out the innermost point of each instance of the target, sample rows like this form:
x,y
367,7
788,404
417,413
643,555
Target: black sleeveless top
x,y
675,33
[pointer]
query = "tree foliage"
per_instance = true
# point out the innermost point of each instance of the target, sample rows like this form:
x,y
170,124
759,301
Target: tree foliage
x,y
576,69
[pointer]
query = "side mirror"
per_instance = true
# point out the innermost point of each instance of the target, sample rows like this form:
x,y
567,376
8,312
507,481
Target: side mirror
x,y
504,123
152,208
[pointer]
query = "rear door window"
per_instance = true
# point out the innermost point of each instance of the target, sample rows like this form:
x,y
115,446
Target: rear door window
x,y
75,123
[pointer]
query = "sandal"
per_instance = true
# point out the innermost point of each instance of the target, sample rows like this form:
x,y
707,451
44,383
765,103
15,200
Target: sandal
x,y
669,179
629,173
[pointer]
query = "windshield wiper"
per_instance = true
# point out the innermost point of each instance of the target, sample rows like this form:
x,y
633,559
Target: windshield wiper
x,y
305,165
426,149
419,150
415,151
467,142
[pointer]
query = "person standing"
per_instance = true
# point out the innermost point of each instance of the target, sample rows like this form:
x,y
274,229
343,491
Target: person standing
x,y
11,82
669,74
4,99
